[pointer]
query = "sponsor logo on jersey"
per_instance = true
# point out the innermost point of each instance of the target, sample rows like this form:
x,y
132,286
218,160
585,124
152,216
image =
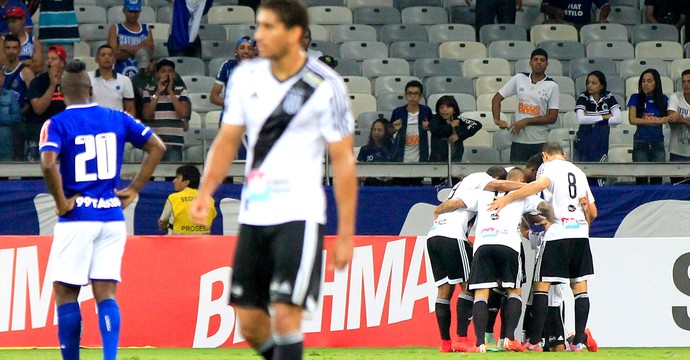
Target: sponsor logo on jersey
x,y
570,223
489,232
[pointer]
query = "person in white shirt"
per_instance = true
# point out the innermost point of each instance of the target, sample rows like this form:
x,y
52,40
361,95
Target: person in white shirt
x,y
110,89
679,121
292,107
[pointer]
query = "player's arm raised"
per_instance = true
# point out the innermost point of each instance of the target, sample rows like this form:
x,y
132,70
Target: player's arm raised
x,y
51,174
532,188
345,190
448,206
153,152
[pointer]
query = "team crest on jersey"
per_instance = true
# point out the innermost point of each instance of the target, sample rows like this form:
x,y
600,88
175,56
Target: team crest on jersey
x,y
494,216
571,208
293,101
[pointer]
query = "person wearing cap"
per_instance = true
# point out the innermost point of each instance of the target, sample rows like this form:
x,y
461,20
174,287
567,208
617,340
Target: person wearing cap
x,y
31,52
45,98
108,89
244,50
5,5
184,30
60,17
145,79
166,110
129,37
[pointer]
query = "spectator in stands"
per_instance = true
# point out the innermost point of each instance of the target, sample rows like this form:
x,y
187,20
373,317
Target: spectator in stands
x,y
449,130
9,117
45,97
243,51
166,110
61,20
575,12
175,214
537,107
502,10
184,31
679,120
129,37
377,149
31,52
17,77
410,129
145,79
596,110
108,89
664,12
647,110
306,44
5,5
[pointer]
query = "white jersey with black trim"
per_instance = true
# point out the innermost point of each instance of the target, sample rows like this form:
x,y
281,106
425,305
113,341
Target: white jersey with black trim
x,y
498,228
568,185
287,185
453,224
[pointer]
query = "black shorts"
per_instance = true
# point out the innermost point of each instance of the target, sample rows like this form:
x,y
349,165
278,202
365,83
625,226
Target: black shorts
x,y
278,263
565,261
450,259
496,266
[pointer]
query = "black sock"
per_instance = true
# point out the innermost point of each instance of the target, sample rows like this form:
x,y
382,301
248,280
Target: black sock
x,y
266,349
581,315
540,305
494,303
480,314
288,347
502,334
443,318
512,310
463,310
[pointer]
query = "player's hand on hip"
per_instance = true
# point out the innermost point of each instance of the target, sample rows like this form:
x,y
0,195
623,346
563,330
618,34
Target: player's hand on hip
x,y
198,210
341,254
62,209
127,197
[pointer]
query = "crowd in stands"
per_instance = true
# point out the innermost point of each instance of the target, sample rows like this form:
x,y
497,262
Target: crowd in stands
x,y
452,80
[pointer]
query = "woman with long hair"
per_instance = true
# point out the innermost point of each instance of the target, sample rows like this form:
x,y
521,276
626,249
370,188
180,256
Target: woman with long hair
x,y
647,111
378,149
448,128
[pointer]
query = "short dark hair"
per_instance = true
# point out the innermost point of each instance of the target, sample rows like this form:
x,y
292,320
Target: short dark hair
x,y
535,161
11,37
553,148
415,83
497,172
290,12
685,72
189,173
539,51
448,100
104,46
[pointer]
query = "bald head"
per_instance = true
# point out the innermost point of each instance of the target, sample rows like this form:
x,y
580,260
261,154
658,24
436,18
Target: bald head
x,y
76,86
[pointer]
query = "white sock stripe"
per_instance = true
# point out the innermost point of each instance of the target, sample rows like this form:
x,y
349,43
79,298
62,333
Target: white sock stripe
x,y
582,296
288,339
515,296
267,345
443,301
466,297
479,300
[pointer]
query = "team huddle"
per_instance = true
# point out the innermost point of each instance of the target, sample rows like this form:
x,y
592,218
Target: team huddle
x,y
502,205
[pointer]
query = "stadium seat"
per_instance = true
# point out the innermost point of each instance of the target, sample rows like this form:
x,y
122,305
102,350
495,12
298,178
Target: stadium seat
x,y
664,50
614,84
555,67
373,15
563,50
616,50
93,32
330,15
372,68
566,85
566,102
237,31
325,3
326,47
490,84
400,32
95,45
357,84
631,3
473,68
462,50
352,4
620,136
511,50
424,15
386,103
366,119
198,84
116,16
603,32
212,119
528,16
213,32
480,138
352,32
412,50
211,49
215,2
90,14
361,137
481,154
449,3
463,15
568,121
391,84
188,65
635,67
160,31
508,105
214,66
583,66
424,68
653,32
348,67
89,61
557,32
495,32
621,154
195,121
230,14
201,102
160,48
362,103
625,15
164,14
448,84
678,66
466,102
318,32
451,32
486,118
631,86
402,4
362,50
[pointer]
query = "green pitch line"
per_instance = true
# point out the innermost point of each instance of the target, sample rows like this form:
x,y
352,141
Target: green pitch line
x,y
349,354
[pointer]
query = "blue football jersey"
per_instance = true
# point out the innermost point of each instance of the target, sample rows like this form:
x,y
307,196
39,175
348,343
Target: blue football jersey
x,y
90,140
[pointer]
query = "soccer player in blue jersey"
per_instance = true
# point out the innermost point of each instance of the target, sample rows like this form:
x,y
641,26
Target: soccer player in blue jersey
x,y
89,239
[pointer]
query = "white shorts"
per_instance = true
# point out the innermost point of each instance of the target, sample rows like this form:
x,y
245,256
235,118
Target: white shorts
x,y
87,250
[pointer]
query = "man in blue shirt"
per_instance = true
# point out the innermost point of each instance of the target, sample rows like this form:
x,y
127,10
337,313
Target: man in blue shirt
x,y
88,141
575,12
